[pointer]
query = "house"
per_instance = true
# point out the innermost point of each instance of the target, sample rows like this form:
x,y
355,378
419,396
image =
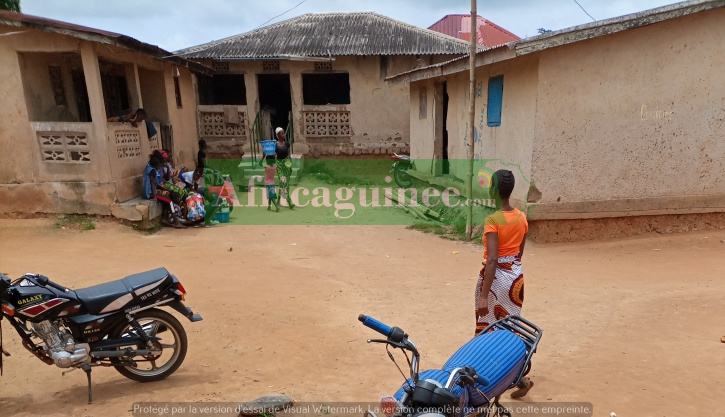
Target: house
x,y
488,33
614,127
319,76
60,83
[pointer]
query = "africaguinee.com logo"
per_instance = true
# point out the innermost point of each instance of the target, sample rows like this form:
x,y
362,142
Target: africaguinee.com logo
x,y
356,191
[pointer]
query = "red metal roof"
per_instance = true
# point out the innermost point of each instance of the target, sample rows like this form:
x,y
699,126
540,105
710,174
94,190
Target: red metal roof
x,y
488,33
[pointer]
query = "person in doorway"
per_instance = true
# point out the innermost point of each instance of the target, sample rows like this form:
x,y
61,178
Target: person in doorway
x,y
130,116
500,286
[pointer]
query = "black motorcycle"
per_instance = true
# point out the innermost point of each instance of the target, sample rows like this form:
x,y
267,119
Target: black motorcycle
x,y
400,170
116,324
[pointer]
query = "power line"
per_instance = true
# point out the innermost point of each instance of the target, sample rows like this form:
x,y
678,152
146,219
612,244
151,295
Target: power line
x,y
580,6
287,11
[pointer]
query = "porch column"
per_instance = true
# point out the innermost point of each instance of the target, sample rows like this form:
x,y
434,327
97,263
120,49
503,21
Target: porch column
x,y
97,105
134,86
300,145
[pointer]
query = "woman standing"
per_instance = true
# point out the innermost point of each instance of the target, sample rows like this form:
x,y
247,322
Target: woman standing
x,y
500,287
284,166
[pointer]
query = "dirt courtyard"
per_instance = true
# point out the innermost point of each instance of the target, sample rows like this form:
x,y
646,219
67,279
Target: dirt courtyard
x,y
632,326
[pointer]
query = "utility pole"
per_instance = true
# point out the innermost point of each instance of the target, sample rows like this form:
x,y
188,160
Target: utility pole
x,y
471,121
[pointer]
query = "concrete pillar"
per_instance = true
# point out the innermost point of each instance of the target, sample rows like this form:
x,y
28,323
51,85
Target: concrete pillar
x,y
101,146
135,100
300,146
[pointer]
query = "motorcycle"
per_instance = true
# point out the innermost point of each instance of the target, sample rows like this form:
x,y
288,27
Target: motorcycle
x,y
471,382
400,170
116,324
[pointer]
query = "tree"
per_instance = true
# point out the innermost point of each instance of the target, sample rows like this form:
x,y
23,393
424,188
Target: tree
x,y
542,31
12,5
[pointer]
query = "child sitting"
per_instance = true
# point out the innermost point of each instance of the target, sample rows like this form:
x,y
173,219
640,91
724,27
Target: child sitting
x,y
154,190
269,174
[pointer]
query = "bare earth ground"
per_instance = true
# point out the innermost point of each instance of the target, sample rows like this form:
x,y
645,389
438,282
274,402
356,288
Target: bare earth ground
x,y
632,326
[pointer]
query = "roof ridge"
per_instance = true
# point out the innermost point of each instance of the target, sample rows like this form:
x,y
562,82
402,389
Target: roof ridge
x,y
241,36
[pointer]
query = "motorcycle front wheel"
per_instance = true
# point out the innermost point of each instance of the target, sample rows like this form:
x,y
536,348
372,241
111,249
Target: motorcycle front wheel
x,y
172,344
402,178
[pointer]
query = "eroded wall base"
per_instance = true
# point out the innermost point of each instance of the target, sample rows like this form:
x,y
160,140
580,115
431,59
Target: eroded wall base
x,y
545,231
58,197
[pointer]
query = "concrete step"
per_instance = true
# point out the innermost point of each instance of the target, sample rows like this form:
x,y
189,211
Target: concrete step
x,y
138,210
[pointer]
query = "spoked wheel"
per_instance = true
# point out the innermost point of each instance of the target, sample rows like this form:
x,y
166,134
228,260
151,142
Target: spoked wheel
x,y
168,352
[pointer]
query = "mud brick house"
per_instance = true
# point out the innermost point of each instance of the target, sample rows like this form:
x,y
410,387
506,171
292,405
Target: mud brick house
x,y
319,76
59,83
617,126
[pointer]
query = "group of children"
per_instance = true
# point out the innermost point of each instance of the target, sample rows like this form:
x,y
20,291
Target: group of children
x,y
179,191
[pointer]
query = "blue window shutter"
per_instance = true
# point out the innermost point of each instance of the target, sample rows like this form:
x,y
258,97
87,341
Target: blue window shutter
x,y
495,100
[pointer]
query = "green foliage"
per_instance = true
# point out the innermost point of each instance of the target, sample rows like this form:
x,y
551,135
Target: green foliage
x,y
12,5
74,221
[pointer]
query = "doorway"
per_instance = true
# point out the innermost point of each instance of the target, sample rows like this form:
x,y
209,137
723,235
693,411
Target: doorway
x,y
440,148
275,97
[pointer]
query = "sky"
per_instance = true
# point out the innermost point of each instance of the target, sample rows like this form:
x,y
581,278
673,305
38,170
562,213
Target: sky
x,y
177,24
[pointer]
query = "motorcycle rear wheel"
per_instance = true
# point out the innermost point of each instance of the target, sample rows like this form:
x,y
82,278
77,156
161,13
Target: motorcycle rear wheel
x,y
152,321
402,178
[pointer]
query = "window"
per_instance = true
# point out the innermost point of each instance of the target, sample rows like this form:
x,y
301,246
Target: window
x,y
228,89
56,81
54,86
322,89
495,100
115,88
177,90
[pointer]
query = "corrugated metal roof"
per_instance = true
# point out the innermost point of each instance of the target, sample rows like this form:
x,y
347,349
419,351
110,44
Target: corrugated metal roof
x,y
331,34
488,33
8,18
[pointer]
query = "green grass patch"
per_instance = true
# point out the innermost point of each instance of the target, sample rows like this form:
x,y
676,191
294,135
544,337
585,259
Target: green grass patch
x,y
348,172
74,221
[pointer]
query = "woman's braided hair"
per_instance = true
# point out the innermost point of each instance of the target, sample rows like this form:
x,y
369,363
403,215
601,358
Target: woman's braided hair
x,y
505,182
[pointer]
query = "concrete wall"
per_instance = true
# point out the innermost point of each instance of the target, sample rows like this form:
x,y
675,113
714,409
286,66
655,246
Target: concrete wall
x,y
511,143
92,176
379,118
632,123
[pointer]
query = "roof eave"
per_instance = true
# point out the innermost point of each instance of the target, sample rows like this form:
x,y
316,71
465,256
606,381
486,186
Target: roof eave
x,y
119,40
489,56
614,25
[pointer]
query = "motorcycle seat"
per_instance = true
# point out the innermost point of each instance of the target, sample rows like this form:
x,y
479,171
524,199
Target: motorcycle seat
x,y
114,295
499,356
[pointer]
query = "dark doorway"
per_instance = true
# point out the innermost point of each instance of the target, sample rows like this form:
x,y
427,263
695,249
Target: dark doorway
x,y
446,165
275,96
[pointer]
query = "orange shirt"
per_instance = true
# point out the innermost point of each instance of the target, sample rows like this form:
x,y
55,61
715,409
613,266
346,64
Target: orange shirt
x,y
511,226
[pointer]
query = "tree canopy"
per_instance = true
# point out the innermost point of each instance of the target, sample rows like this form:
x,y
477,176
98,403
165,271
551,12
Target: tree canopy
x,y
12,5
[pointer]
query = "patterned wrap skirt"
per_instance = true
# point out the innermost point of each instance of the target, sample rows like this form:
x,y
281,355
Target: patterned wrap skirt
x,y
507,291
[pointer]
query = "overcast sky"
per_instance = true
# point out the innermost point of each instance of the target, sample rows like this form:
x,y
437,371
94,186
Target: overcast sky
x,y
177,24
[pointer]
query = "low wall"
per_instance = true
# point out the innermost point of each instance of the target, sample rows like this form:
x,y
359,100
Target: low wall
x,y
71,197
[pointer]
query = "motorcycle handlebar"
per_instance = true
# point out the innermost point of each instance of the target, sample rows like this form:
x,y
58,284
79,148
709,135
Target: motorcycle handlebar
x,y
43,281
394,334
379,327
